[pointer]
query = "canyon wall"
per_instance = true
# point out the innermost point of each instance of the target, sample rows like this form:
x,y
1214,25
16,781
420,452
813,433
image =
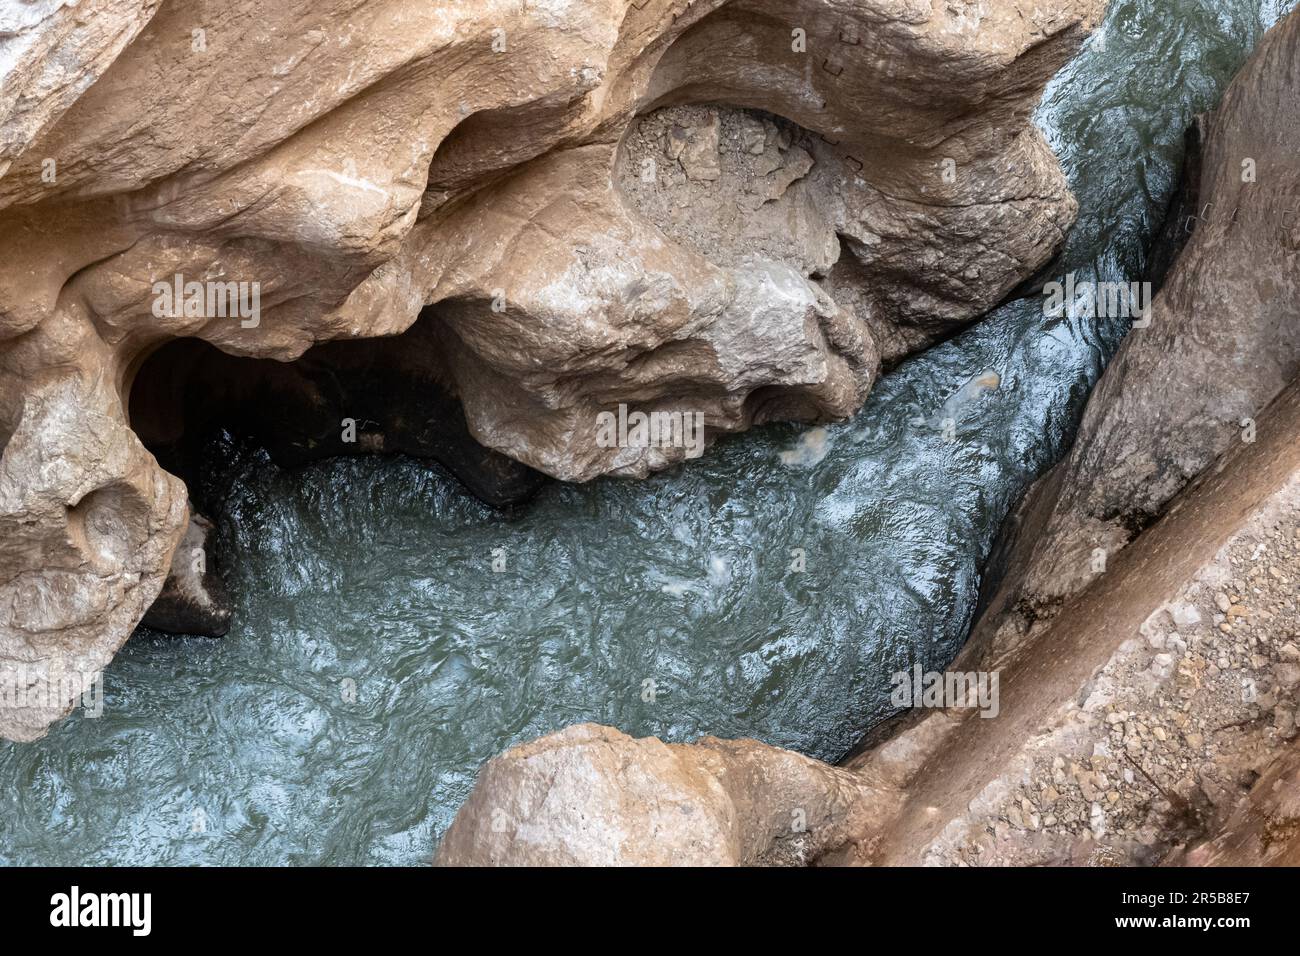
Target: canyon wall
x,y
1147,703
342,166
1222,342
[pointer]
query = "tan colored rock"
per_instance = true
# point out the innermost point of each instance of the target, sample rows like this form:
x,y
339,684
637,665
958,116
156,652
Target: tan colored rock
x,y
89,522
51,51
1263,830
1051,780
1223,341
1132,727
361,162
699,157
1093,663
592,796
192,600
1077,693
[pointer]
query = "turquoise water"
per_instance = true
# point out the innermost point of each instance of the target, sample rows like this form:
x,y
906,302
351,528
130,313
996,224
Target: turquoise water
x,y
377,656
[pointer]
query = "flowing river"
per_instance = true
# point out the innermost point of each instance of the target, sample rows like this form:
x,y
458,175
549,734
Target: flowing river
x,y
391,633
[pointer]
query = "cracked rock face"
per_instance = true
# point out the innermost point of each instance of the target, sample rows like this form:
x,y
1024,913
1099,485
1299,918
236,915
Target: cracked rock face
x,y
360,161
51,51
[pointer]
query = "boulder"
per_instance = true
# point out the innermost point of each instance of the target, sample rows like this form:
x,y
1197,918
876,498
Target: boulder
x,y
592,796
193,600
1147,709
1264,828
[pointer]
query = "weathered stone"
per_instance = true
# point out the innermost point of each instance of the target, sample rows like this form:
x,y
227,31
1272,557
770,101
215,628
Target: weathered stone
x,y
193,599
51,51
1222,343
592,796
699,158
1089,690
1264,828
361,162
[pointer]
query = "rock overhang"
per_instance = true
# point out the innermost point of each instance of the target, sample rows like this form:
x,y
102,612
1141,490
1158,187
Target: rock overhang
x,y
363,164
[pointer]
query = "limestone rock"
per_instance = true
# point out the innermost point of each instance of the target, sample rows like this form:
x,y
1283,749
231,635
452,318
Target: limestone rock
x,y
51,51
1264,829
590,795
1146,674
354,165
193,600
1223,341
699,157
89,525
1127,753
1138,725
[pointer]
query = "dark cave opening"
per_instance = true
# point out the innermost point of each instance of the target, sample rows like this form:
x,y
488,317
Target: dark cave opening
x,y
353,397
190,403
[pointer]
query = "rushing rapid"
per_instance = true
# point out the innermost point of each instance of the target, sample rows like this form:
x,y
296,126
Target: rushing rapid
x,y
391,633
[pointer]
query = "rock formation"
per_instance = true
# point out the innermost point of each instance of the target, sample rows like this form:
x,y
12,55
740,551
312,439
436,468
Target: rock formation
x,y
1147,711
193,599
1134,724
51,52
1151,696
1223,341
1264,830
344,166
591,795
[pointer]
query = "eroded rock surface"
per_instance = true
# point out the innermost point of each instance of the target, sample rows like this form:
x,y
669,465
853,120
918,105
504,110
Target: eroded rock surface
x,y
1264,830
1138,722
1223,341
1149,701
1153,718
51,51
363,161
592,796
193,599
1136,729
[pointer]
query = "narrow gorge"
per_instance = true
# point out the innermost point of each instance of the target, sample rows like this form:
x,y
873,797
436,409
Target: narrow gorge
x,y
543,432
